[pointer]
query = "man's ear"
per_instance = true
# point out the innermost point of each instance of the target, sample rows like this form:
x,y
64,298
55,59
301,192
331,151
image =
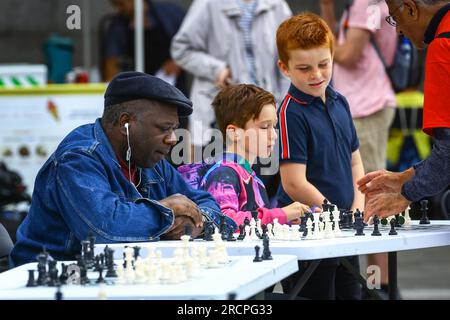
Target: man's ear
x,y
412,9
124,118
283,68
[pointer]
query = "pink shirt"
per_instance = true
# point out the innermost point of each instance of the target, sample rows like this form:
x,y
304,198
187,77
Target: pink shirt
x,y
367,86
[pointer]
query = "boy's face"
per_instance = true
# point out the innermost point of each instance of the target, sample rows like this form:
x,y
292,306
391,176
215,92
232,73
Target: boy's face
x,y
260,135
309,70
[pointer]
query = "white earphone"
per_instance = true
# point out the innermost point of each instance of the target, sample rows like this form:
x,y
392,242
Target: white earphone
x,y
128,156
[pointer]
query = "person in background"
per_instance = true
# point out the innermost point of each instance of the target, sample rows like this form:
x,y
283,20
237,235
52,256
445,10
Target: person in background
x,y
360,75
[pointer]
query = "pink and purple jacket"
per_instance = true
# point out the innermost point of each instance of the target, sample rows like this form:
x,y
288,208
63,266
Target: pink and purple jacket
x,y
239,191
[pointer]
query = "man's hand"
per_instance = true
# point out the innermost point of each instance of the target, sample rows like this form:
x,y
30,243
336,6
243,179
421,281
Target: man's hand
x,y
182,206
385,205
177,229
224,78
383,181
171,68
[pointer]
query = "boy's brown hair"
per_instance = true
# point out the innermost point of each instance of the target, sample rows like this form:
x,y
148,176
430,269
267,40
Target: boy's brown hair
x,y
237,104
303,31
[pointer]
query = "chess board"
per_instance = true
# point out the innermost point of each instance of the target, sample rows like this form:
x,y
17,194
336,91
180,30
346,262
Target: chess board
x,y
244,279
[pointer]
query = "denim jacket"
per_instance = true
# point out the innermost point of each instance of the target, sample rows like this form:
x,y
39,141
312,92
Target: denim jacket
x,y
81,189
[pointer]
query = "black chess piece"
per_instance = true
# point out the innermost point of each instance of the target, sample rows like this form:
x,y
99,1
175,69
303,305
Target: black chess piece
x,y
64,275
302,224
267,255
423,208
246,222
400,220
111,272
257,257
137,252
264,230
359,226
241,232
376,222
208,231
222,224
53,273
31,281
58,294
325,205
91,239
100,275
392,232
230,236
188,231
85,250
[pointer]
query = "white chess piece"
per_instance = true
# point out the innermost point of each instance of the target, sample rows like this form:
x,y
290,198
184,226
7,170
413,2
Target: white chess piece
x,y
120,280
258,226
408,221
101,292
336,219
309,226
285,232
185,240
295,233
316,234
253,235
329,234
247,234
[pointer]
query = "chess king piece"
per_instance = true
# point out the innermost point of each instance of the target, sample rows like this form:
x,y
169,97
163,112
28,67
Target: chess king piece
x,y
423,208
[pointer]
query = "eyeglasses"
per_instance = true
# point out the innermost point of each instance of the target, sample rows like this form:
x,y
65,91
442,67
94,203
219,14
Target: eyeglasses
x,y
390,19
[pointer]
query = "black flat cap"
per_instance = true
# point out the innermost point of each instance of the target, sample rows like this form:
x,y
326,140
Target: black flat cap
x,y
131,85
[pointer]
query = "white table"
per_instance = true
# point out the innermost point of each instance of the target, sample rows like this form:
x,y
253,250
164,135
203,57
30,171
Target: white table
x,y
244,278
415,237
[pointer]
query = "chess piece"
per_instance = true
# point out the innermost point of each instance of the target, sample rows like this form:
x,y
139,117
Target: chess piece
x,y
246,221
267,255
208,231
31,281
308,232
423,208
376,222
64,275
408,221
53,273
100,275
230,236
58,294
257,257
392,232
241,232
188,231
325,205
359,226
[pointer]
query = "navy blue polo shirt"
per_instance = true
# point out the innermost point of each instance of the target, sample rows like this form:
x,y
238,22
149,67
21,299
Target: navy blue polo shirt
x,y
323,137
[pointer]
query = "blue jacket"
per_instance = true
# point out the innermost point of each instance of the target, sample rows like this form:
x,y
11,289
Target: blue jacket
x,y
81,189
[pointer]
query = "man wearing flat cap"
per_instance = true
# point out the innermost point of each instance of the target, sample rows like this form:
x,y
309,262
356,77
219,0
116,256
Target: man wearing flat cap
x,y
110,178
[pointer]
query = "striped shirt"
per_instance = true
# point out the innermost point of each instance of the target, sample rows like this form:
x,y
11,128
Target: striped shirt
x,y
245,23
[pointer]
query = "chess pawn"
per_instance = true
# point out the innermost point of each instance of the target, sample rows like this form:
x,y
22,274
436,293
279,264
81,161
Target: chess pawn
x,y
295,233
213,259
247,234
185,240
120,280
257,257
253,230
392,232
